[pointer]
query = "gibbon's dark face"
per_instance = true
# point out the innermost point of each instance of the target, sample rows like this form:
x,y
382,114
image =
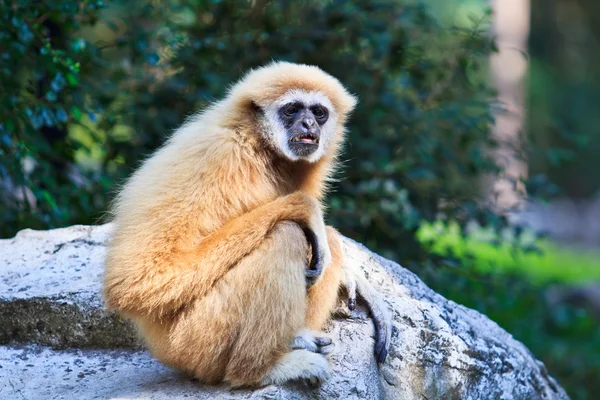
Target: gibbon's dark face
x,y
302,124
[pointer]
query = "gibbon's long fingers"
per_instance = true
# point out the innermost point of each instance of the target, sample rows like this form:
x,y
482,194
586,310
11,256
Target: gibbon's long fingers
x,y
316,260
193,273
321,252
382,318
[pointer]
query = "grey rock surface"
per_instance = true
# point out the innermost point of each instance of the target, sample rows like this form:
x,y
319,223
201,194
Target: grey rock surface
x,y
39,373
50,286
50,295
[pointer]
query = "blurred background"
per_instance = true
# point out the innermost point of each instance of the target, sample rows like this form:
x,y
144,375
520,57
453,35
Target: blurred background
x,y
473,157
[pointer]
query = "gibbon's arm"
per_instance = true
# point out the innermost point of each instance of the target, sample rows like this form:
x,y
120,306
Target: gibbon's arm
x,y
180,277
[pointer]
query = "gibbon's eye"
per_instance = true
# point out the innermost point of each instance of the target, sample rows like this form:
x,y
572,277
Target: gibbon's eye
x,y
291,109
320,113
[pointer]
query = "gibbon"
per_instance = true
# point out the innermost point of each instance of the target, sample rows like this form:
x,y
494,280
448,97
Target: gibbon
x,y
220,253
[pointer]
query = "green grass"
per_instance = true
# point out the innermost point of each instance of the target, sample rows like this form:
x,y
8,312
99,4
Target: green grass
x,y
540,260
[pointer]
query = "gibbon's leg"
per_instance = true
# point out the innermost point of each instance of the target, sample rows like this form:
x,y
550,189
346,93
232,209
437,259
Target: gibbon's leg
x,y
355,281
265,299
156,278
241,331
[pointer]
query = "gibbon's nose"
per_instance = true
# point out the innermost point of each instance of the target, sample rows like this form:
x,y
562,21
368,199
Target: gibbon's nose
x,y
309,125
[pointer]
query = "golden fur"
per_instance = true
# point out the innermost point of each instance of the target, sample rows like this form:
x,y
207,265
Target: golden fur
x,y
201,257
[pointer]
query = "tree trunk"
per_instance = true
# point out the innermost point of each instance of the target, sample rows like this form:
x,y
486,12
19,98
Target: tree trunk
x,y
509,65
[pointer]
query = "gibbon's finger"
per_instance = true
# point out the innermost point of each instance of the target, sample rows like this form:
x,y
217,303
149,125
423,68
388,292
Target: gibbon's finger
x,y
317,380
315,344
311,277
301,343
316,261
318,268
352,301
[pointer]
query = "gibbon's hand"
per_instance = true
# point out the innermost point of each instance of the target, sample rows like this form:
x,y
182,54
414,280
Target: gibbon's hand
x,y
317,238
355,281
315,268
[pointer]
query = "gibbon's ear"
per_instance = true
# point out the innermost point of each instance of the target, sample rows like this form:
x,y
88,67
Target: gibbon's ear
x,y
256,107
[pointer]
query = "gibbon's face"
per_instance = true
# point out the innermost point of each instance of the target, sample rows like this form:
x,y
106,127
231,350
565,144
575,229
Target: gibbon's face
x,y
301,124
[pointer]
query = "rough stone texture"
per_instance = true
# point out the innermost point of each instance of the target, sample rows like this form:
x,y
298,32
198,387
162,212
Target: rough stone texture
x,y
37,373
50,284
50,295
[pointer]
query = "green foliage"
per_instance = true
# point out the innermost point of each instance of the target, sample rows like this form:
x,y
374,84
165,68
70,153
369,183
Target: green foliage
x,y
42,65
513,252
564,94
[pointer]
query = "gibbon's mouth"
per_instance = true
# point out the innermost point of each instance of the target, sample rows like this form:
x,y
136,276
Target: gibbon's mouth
x,y
304,144
305,138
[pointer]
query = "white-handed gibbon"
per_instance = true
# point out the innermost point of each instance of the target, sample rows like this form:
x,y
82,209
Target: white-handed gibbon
x,y
220,253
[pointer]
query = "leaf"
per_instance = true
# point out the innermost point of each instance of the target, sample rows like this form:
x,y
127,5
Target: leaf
x,y
76,113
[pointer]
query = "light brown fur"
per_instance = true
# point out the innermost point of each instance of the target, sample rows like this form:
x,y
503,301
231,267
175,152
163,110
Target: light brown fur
x,y
202,258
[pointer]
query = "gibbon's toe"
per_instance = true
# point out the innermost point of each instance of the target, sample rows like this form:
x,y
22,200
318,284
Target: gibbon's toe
x,y
301,343
312,341
314,381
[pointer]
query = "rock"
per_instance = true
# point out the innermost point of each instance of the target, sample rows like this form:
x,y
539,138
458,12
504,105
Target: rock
x,y
50,285
50,295
36,373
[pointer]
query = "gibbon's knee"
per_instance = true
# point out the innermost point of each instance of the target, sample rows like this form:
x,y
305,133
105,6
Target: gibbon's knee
x,y
292,237
285,249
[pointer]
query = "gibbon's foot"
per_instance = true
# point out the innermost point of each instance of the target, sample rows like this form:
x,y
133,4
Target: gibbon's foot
x,y
382,342
299,365
308,340
382,318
